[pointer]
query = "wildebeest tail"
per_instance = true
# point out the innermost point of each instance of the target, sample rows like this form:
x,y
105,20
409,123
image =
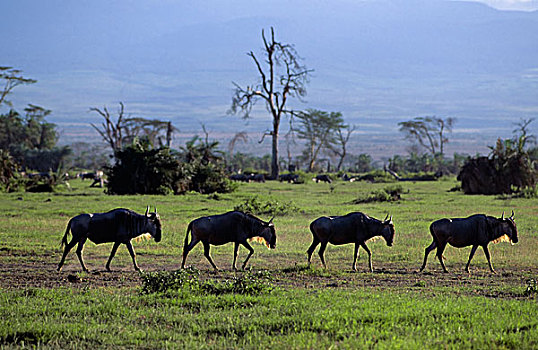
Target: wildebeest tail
x,y
189,229
64,239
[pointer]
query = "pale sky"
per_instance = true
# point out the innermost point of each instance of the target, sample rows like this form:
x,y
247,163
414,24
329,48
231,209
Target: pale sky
x,y
526,5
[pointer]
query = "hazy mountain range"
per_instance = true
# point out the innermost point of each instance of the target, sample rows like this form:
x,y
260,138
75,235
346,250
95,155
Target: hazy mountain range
x,y
378,62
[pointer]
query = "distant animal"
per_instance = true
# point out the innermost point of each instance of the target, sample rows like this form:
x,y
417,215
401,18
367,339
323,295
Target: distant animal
x,y
324,178
475,230
355,227
118,226
256,178
90,175
239,177
291,178
233,226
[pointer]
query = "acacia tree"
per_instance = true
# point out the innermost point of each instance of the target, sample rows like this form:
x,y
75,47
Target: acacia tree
x,y
282,75
339,146
11,78
429,132
319,129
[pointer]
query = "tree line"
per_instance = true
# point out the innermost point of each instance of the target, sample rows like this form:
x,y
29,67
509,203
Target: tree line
x,y
140,147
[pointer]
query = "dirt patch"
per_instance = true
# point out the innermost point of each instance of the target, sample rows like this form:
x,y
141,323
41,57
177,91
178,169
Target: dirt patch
x,y
29,271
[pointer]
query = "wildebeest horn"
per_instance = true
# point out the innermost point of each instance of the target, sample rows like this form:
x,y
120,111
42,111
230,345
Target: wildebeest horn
x,y
147,210
386,217
270,221
390,219
502,216
155,210
512,216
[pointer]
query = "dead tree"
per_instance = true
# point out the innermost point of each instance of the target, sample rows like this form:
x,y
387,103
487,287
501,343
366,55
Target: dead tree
x,y
281,76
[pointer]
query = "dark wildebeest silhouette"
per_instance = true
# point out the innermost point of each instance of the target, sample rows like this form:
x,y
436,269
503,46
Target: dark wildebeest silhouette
x,y
239,177
323,178
291,178
476,230
256,178
118,226
233,226
355,228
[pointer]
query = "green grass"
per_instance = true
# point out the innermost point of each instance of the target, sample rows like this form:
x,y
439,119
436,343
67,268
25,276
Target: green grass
x,y
305,308
295,318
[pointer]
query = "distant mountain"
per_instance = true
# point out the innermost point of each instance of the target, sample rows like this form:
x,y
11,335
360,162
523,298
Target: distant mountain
x,y
378,62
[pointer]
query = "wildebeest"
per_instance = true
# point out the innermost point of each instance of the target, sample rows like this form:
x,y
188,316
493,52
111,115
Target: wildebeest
x,y
91,175
324,178
233,226
256,177
118,226
291,178
239,177
355,228
476,230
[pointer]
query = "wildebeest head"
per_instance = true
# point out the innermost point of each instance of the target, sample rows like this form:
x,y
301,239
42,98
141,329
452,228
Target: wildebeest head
x,y
269,234
388,230
154,226
508,227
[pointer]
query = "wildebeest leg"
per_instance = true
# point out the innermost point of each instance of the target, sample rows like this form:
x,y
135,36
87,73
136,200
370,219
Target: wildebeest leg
x,y
187,249
133,255
486,251
250,252
369,256
79,253
321,252
426,253
206,253
311,249
440,250
112,253
357,246
473,250
236,248
68,247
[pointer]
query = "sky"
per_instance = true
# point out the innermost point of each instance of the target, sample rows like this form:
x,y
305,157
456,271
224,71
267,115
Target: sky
x,y
524,5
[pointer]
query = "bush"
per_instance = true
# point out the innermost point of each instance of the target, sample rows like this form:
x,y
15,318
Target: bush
x,y
140,170
388,194
204,178
271,207
249,283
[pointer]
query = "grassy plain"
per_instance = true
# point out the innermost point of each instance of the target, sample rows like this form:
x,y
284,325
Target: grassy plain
x,y
307,307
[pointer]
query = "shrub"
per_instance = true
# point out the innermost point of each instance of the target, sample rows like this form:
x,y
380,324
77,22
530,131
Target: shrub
x,y
271,207
388,194
250,283
140,170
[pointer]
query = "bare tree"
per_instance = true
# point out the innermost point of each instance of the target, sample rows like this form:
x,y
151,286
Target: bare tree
x,y
429,132
125,130
281,76
240,136
12,78
112,131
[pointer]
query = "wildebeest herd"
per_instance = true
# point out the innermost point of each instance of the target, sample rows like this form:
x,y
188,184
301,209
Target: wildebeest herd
x,y
120,226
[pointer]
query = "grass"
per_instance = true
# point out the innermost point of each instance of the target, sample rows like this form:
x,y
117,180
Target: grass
x,y
293,305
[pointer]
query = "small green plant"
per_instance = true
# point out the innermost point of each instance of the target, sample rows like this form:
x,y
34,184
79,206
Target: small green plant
x,y
532,288
163,281
388,194
271,207
250,283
